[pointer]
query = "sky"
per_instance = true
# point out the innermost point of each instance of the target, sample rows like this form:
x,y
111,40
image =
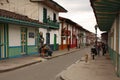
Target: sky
x,y
81,12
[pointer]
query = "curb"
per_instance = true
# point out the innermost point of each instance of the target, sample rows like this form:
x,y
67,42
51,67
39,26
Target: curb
x,y
62,54
28,64
21,66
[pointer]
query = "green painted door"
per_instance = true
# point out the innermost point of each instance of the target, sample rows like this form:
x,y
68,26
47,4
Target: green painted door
x,y
23,41
3,41
44,15
47,38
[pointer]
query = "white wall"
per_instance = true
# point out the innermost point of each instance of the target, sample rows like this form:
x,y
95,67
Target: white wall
x,y
14,35
59,34
31,41
52,32
24,7
49,12
113,37
44,31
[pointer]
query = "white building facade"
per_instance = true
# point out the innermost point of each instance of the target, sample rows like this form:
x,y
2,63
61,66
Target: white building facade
x,y
71,34
20,23
49,15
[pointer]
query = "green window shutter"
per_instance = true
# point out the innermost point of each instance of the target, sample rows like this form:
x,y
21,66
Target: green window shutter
x,y
54,17
44,15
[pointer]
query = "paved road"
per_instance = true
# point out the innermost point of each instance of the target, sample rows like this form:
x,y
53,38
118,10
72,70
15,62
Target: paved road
x,y
47,70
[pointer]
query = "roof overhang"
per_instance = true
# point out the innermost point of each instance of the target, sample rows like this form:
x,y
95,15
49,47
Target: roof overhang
x,y
14,18
105,12
70,22
52,4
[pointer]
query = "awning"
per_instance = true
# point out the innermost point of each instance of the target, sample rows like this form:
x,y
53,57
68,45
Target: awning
x,y
20,22
14,18
105,12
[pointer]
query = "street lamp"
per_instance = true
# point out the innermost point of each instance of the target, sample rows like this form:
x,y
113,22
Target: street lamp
x,y
96,34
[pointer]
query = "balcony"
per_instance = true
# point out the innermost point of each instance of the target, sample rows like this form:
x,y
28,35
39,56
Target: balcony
x,y
51,23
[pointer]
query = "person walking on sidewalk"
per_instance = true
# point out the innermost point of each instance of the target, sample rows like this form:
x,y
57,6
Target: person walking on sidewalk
x,y
98,49
68,46
93,52
103,49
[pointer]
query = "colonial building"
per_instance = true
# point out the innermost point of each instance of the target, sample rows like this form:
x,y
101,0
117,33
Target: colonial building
x,y
20,22
71,33
18,28
49,15
107,13
90,38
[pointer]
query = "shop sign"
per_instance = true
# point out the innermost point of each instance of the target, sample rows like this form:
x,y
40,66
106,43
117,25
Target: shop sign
x,y
31,35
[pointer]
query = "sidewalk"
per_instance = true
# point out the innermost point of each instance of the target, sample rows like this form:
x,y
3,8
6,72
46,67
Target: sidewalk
x,y
99,69
15,63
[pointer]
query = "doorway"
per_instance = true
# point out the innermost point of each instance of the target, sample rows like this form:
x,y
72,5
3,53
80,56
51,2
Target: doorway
x,y
3,41
47,38
23,41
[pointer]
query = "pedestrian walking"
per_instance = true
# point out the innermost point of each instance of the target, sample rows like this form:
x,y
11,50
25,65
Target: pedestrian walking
x,y
68,46
98,49
103,49
93,52
95,46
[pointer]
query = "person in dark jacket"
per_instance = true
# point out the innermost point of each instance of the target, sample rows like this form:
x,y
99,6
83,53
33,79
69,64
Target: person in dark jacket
x,y
103,49
93,50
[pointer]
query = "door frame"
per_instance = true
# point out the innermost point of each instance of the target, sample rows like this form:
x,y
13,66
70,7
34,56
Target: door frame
x,y
23,44
47,38
4,41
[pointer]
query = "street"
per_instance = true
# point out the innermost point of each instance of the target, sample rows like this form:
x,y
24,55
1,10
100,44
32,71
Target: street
x,y
47,70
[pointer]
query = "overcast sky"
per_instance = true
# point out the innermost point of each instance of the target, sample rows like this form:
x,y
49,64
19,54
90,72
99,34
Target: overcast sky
x,y
80,12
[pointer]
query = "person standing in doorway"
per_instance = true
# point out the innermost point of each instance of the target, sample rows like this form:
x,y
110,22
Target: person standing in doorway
x,y
68,45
